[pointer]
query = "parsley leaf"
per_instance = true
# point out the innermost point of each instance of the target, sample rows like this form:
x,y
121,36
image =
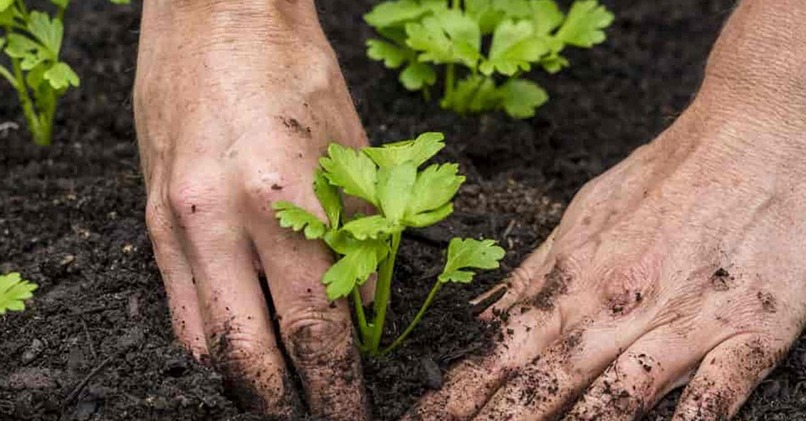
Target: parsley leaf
x,y
418,75
583,27
394,13
546,16
5,4
446,37
391,55
521,97
61,76
329,197
14,291
358,263
351,170
469,254
394,189
371,227
435,187
417,151
296,218
514,48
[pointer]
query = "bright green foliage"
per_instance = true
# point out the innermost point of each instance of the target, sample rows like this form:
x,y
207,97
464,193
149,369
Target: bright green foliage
x,y
32,40
420,35
404,196
14,291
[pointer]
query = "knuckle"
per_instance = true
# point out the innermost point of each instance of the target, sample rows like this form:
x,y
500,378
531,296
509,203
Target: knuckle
x,y
312,336
188,194
262,189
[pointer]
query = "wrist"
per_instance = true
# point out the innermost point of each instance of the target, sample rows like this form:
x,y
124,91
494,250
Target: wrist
x,y
259,20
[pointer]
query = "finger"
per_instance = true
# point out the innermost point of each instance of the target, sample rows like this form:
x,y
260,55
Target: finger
x,y
183,302
239,332
726,377
529,275
655,364
472,382
317,334
550,383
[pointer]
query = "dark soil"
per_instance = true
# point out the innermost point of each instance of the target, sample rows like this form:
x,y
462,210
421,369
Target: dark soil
x,y
96,342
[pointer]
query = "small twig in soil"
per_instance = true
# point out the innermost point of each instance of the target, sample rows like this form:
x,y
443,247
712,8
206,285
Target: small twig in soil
x,y
508,230
89,338
74,394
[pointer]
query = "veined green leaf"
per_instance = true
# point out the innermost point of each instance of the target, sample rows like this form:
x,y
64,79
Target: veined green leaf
x,y
393,13
298,219
435,187
48,31
5,4
514,48
351,170
521,97
61,3
546,16
469,254
446,37
394,189
329,198
426,219
391,55
61,76
416,76
584,24
371,227
354,268
14,291
417,151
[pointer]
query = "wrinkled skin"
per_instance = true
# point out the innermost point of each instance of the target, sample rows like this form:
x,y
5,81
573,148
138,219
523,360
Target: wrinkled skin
x,y
234,103
681,265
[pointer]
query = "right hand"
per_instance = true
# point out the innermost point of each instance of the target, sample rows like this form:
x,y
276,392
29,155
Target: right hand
x,y
234,104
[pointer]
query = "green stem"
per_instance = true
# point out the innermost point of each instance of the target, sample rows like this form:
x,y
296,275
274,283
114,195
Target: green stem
x,y
450,81
60,13
456,4
8,76
414,321
382,293
25,100
363,328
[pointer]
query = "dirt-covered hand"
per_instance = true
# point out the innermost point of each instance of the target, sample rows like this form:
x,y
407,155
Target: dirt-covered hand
x,y
684,264
234,103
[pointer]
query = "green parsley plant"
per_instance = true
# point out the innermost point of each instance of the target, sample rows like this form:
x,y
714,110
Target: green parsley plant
x,y
14,291
32,40
390,179
419,35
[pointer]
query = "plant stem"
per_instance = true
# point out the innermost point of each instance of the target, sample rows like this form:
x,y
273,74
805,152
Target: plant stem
x,y
60,13
414,321
456,4
359,313
8,76
450,81
382,293
27,105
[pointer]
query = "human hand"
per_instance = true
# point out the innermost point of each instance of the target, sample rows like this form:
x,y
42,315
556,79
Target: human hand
x,y
234,103
681,265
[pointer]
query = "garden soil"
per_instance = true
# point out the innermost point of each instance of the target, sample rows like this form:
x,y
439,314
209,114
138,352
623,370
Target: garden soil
x,y
96,343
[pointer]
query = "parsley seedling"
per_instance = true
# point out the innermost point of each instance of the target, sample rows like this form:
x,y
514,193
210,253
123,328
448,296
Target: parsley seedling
x,y
32,40
419,35
14,291
388,177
